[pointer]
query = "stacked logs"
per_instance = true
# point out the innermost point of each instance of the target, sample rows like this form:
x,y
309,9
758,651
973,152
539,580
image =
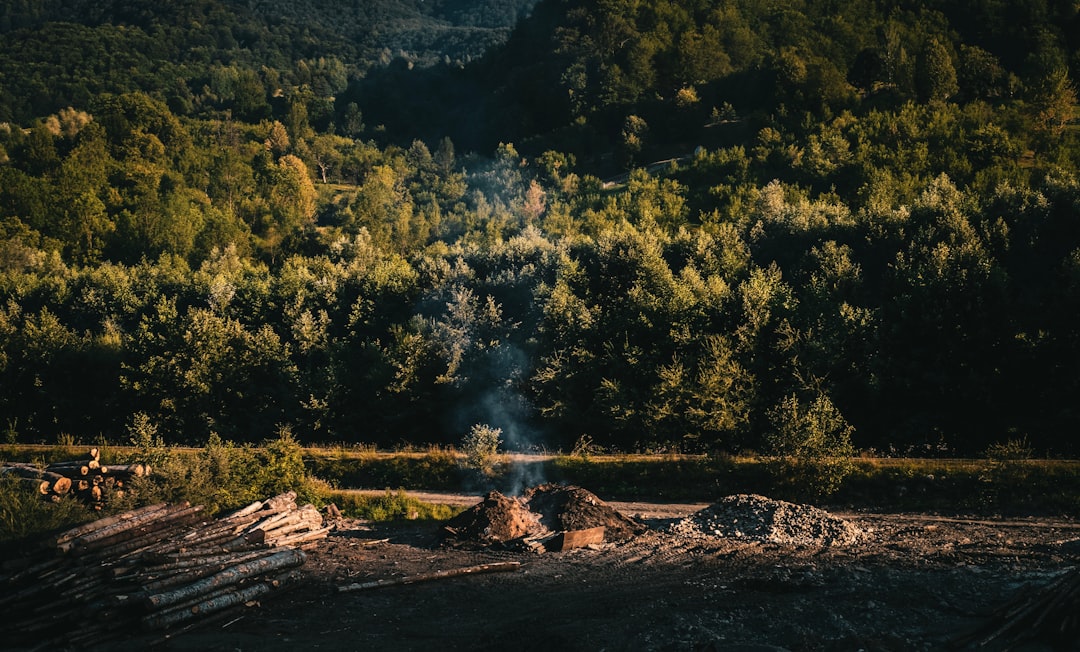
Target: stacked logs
x,y
156,568
87,479
49,484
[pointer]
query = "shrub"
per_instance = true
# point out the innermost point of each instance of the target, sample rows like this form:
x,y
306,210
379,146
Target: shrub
x,y
480,446
223,475
811,446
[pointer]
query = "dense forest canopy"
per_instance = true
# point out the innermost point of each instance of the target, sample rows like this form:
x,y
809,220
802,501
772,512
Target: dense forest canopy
x,y
644,225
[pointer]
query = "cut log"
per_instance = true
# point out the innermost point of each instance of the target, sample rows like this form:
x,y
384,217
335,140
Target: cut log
x,y
144,536
498,567
36,486
245,511
72,469
105,542
57,483
575,539
137,470
303,537
218,602
110,521
286,500
184,561
228,577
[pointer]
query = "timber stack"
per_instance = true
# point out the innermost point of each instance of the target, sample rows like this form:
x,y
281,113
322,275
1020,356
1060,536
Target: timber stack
x,y
160,568
87,478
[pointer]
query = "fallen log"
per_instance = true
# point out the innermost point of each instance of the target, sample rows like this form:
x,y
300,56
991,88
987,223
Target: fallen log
x,y
497,567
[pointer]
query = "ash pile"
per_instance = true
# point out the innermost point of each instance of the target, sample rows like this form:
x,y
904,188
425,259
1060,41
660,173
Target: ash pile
x,y
547,517
751,517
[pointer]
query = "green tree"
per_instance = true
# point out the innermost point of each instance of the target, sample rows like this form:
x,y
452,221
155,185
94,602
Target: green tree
x,y
936,73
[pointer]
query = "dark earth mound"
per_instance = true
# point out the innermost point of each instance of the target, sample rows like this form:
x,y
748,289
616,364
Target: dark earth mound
x,y
564,508
497,519
541,511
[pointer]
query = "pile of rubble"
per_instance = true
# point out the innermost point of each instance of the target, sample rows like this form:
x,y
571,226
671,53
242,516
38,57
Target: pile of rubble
x,y
546,517
756,518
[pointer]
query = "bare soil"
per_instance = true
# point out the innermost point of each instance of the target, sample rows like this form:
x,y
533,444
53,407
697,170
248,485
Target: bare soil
x,y
911,582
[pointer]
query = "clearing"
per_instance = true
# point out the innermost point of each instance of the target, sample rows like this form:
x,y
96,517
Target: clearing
x,y
784,577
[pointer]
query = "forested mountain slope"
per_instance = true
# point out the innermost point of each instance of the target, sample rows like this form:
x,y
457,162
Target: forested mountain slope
x,y
224,218
234,54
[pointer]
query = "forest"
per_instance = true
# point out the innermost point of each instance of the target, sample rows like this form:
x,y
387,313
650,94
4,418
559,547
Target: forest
x,y
704,226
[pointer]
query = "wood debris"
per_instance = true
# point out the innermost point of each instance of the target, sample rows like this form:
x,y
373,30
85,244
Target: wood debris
x,y
152,569
496,567
1049,614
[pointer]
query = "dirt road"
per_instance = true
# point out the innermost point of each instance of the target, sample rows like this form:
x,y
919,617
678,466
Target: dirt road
x,y
912,582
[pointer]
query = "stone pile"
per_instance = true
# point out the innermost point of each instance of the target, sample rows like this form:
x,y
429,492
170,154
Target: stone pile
x,y
757,518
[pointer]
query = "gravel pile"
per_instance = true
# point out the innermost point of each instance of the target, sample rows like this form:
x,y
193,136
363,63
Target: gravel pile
x,y
757,518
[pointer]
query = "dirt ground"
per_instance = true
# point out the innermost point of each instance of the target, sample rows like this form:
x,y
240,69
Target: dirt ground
x,y
913,582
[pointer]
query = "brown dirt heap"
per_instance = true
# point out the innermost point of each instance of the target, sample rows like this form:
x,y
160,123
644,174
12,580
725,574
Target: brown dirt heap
x,y
494,520
565,508
542,511
756,518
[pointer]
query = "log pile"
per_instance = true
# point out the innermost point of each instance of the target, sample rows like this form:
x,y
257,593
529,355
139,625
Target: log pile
x,y
156,568
87,479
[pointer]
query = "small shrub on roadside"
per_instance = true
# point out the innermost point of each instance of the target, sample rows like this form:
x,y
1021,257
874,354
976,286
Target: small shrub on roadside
x,y
480,446
811,446
281,468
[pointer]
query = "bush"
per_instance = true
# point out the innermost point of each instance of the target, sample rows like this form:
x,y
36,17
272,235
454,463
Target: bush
x,y
480,446
223,475
811,446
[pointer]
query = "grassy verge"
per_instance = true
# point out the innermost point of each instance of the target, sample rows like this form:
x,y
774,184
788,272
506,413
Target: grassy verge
x,y
390,506
223,476
887,484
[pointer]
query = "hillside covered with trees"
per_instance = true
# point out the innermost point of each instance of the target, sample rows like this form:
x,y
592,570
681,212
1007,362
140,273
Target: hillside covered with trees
x,y
713,225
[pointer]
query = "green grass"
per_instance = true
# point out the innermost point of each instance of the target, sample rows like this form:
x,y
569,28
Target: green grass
x,y
26,515
390,506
